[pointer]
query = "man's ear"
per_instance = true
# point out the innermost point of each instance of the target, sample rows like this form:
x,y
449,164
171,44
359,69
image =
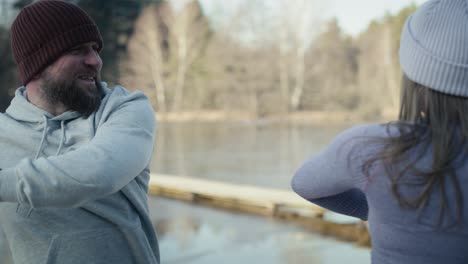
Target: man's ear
x,y
34,80
37,76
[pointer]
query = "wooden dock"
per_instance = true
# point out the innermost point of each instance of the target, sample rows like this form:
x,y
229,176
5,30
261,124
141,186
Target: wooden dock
x,y
280,204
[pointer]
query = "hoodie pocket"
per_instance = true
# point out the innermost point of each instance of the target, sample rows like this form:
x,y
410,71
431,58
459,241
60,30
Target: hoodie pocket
x,y
92,247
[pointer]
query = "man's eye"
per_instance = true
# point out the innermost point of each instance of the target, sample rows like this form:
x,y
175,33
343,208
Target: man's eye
x,y
75,50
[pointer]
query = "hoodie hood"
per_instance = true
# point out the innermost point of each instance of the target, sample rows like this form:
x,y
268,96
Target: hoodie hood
x,y
22,110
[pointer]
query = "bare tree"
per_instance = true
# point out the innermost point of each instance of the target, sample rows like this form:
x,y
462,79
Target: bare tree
x,y
242,52
379,71
189,32
145,63
283,65
298,23
303,10
331,69
390,66
277,34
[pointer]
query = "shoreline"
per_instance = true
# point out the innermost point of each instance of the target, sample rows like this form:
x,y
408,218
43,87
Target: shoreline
x,y
300,117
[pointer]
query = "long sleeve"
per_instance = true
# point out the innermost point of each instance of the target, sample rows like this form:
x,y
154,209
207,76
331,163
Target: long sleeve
x,y
351,203
121,149
333,178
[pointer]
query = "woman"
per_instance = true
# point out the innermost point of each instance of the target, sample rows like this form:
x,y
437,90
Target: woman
x,y
409,178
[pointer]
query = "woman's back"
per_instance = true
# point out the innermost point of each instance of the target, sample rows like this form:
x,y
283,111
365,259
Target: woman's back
x,y
335,179
406,235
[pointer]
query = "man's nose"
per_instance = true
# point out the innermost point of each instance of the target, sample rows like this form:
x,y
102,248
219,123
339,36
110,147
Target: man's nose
x,y
92,58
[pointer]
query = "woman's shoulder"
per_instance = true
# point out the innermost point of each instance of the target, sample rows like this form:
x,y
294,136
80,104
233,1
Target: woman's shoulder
x,y
364,139
366,131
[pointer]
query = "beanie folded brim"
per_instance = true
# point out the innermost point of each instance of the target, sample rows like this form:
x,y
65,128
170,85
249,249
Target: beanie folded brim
x,y
423,67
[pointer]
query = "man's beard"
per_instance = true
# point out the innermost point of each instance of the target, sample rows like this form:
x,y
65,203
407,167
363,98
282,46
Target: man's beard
x,y
71,95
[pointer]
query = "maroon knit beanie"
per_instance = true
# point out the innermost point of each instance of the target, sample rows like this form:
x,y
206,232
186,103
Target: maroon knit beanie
x,y
44,30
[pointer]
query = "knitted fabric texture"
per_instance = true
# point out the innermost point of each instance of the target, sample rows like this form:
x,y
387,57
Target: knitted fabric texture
x,y
434,46
44,30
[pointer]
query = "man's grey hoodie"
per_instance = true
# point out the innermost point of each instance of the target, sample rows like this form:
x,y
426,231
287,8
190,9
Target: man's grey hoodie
x,y
74,189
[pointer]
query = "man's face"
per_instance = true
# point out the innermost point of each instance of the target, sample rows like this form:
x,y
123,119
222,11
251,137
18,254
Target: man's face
x,y
74,79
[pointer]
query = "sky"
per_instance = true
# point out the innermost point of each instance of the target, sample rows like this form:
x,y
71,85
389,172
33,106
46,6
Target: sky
x,y
353,15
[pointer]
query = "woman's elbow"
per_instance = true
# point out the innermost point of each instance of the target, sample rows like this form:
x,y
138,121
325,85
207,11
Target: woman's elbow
x,y
297,185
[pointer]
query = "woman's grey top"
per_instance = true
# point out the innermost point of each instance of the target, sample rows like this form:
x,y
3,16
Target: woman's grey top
x,y
334,179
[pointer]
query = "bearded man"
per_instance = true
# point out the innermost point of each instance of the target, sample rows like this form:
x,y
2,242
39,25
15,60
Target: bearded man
x,y
74,154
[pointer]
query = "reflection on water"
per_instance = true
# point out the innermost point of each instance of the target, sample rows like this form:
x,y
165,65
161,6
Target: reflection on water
x,y
262,154
265,154
200,235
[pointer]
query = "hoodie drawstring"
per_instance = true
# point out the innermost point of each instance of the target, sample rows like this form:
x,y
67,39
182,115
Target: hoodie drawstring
x,y
44,133
41,146
62,138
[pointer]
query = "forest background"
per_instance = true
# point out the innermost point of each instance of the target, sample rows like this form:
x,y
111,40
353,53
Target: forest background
x,y
262,62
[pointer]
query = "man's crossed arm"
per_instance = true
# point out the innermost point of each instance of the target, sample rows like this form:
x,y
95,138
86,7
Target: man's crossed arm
x,y
120,150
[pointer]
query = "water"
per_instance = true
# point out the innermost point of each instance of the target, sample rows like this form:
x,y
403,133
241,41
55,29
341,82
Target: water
x,y
262,154
202,235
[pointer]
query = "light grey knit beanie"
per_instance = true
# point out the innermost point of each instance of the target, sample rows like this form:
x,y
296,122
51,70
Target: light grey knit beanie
x,y
434,46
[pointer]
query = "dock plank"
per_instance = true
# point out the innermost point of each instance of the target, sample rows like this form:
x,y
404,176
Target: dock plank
x,y
191,189
270,202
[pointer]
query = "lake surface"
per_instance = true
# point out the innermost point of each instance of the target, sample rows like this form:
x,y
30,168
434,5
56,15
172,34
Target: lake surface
x,y
262,154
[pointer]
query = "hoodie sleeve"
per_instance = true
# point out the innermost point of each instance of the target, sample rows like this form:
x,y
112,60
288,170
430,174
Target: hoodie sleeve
x,y
120,151
333,179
